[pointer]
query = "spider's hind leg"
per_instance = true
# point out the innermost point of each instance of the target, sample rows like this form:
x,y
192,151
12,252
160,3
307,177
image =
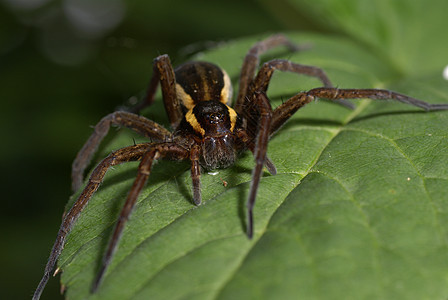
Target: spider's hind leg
x,y
264,75
252,60
248,84
163,72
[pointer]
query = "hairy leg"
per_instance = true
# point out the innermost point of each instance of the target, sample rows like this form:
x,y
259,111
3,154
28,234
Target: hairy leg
x,y
139,124
163,72
127,154
264,75
265,111
283,112
195,175
155,151
252,60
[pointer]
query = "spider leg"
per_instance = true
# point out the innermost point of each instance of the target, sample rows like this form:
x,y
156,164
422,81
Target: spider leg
x,y
283,112
141,125
127,154
264,75
248,84
270,166
252,60
250,144
195,174
262,102
267,163
150,92
163,72
375,94
154,152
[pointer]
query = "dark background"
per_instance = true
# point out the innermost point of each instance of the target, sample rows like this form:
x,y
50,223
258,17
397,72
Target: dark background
x,y
64,65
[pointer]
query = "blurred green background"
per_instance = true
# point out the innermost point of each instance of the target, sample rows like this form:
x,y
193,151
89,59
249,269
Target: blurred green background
x,y
65,64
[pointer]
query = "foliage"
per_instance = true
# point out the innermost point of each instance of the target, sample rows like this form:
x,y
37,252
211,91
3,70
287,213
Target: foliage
x,y
358,209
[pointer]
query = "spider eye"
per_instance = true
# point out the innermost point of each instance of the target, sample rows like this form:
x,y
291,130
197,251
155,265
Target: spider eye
x,y
211,117
214,118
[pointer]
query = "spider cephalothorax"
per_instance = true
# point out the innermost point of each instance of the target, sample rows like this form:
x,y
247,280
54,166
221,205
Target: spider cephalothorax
x,y
215,126
207,131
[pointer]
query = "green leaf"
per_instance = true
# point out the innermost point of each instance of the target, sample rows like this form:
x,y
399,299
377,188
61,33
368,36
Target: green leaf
x,y
409,35
358,209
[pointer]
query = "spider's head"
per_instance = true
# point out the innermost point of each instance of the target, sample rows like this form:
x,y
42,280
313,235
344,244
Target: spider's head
x,y
214,122
211,118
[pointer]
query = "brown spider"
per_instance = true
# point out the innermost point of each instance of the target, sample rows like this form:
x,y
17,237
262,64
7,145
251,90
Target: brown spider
x,y
206,130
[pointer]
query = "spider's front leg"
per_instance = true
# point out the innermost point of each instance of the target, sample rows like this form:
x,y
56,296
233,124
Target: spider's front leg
x,y
283,112
374,94
195,174
264,110
154,151
127,154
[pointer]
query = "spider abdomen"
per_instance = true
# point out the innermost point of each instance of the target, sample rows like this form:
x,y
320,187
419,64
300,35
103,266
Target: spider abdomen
x,y
202,81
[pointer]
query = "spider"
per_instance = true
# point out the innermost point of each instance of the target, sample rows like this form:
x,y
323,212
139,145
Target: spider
x,y
206,130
